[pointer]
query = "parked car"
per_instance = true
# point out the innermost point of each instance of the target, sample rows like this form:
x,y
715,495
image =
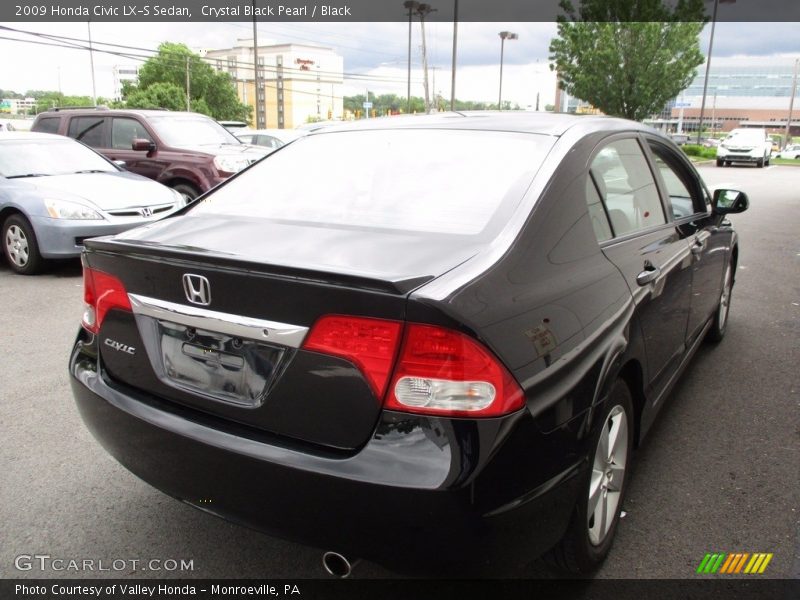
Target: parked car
x,y
444,369
680,138
7,125
792,151
188,152
269,138
745,145
55,192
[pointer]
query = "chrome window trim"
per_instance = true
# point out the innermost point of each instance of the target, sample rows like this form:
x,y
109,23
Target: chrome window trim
x,y
284,334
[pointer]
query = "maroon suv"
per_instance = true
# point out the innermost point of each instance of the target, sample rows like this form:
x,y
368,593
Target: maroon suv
x,y
188,152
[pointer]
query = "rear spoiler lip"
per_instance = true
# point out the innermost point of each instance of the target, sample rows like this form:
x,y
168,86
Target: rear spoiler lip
x,y
395,284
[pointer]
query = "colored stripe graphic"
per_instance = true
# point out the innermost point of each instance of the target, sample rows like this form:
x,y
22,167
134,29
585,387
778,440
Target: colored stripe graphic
x,y
730,564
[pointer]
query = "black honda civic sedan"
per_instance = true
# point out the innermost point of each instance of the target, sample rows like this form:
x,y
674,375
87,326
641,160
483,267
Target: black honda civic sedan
x,y
432,342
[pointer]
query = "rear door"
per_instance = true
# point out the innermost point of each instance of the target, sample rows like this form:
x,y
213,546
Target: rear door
x,y
89,129
651,253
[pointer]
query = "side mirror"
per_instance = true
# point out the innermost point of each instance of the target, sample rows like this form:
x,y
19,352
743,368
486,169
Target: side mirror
x,y
120,163
142,145
727,202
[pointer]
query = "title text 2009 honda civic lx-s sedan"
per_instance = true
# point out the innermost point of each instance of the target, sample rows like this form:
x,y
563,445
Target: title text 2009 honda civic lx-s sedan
x,y
426,341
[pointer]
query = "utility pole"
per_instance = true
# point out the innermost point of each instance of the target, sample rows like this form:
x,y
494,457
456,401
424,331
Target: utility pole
x,y
791,105
423,10
188,88
91,63
261,113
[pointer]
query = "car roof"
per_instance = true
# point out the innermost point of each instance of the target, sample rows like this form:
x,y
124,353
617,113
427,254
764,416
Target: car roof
x,y
31,135
275,132
545,123
101,111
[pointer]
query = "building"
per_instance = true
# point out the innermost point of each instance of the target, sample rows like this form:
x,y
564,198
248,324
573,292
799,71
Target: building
x,y
742,92
123,73
299,82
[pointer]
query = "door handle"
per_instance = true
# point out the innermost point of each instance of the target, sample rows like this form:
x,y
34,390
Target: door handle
x,y
698,247
649,275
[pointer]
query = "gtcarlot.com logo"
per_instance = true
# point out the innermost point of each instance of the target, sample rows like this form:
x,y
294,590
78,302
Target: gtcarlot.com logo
x,y
736,563
45,562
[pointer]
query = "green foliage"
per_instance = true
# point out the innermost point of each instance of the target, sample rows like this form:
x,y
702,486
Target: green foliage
x,y
627,58
11,94
386,104
699,151
47,100
211,92
157,95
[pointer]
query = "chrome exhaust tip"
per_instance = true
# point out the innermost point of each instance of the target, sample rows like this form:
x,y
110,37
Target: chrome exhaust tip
x,y
337,564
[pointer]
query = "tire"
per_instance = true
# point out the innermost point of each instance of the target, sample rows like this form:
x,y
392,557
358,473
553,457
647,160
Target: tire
x,y
766,161
720,319
760,163
720,163
20,246
588,539
187,191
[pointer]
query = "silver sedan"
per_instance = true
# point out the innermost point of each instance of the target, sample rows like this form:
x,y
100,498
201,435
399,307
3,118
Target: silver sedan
x,y
56,192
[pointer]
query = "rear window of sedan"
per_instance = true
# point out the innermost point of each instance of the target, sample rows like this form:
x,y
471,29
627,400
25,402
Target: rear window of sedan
x,y
439,181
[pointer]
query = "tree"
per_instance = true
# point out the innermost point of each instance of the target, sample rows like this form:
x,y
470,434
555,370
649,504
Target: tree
x,y
210,92
157,95
628,59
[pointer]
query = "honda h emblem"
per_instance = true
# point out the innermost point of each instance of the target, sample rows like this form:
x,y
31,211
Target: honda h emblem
x,y
147,212
197,289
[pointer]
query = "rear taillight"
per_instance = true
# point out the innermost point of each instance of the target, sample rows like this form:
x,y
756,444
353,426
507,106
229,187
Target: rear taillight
x,y
444,372
371,344
101,293
438,371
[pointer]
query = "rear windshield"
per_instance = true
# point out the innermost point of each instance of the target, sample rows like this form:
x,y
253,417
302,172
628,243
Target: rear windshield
x,y
439,181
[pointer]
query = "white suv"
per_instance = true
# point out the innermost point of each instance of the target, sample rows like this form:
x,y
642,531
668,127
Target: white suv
x,y
745,145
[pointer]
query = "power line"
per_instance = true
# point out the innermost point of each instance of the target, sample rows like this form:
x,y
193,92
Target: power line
x,y
152,53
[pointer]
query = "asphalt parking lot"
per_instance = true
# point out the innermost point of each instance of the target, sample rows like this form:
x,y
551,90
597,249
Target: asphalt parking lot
x,y
720,471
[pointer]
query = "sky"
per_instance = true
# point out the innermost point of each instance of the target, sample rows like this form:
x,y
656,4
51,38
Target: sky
x,y
376,49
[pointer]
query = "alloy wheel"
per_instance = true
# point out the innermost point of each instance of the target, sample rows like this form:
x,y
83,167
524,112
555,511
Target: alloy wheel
x,y
17,245
724,301
608,475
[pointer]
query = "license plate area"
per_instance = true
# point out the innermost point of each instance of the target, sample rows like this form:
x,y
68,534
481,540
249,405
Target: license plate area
x,y
218,365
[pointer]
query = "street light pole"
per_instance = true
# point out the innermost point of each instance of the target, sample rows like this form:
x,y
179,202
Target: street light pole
x,y
504,35
411,5
708,65
455,47
791,105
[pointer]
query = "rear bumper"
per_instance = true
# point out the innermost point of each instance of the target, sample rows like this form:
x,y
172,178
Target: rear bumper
x,y
459,491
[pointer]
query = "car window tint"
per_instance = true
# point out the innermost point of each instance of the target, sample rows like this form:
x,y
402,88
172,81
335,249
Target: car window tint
x,y
434,181
88,130
685,197
627,187
124,131
600,224
48,125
